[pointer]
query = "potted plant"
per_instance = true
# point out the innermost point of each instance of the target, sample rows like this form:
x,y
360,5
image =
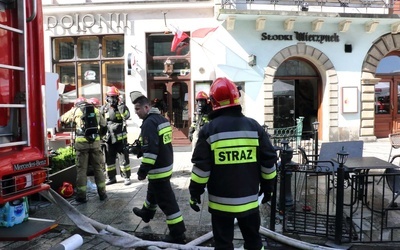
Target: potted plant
x,y
62,167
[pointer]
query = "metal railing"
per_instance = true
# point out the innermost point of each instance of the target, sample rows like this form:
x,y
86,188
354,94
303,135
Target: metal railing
x,y
370,210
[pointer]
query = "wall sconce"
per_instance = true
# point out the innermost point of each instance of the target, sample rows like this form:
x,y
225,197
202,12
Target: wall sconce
x,y
288,24
395,28
252,60
344,25
230,23
168,67
304,6
317,25
260,23
371,26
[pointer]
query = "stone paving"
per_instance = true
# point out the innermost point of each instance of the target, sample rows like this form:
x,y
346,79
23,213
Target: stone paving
x,y
117,210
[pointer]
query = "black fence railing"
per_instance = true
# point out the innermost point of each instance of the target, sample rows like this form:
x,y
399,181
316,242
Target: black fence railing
x,y
307,204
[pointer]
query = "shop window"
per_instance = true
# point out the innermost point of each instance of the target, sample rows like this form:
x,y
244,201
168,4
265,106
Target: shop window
x,y
64,49
88,66
162,62
295,68
382,98
88,47
114,46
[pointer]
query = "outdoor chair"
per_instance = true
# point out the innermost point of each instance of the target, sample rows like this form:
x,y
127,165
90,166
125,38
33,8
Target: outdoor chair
x,y
393,182
394,140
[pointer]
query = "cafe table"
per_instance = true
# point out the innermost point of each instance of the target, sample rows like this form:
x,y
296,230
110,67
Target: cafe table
x,y
361,166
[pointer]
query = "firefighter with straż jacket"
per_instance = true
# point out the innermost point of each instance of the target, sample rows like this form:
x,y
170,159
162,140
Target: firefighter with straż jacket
x,y
87,149
201,116
235,159
157,164
116,114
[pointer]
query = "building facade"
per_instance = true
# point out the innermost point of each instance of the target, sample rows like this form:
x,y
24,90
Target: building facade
x,y
321,60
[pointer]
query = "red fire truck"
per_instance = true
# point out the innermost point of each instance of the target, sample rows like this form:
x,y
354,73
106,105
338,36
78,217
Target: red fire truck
x,y
23,142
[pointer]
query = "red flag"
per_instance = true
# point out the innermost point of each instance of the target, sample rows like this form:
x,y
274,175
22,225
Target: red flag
x,y
203,32
179,36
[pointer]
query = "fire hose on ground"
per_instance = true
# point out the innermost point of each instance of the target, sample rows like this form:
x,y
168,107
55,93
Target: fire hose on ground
x,y
120,238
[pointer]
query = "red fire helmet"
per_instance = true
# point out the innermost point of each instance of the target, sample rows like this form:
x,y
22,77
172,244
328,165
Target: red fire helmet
x,y
113,91
201,96
224,93
66,190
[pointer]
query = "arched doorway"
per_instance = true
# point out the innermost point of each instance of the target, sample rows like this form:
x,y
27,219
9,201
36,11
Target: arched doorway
x,y
296,94
172,98
387,101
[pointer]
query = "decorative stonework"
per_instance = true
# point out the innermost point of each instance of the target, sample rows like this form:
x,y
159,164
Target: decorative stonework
x,y
322,62
381,48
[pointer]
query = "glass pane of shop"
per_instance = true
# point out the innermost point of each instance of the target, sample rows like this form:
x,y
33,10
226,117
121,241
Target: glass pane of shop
x,y
115,75
160,45
295,68
63,49
113,46
89,80
88,47
382,98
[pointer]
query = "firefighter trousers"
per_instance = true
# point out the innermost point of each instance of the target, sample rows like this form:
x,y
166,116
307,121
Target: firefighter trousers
x,y
89,152
112,152
223,228
160,193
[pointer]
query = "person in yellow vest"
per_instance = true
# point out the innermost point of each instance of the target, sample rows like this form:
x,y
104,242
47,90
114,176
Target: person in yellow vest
x,y
89,126
235,160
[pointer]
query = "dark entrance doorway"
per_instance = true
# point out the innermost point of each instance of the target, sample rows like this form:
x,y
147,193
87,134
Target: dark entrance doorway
x,y
296,93
171,98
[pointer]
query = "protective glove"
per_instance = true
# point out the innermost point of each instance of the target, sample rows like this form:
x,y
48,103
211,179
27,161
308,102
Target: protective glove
x,y
141,177
193,203
267,196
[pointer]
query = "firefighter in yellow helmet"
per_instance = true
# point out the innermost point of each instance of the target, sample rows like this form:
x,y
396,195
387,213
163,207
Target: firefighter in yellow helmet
x,y
235,160
116,113
90,126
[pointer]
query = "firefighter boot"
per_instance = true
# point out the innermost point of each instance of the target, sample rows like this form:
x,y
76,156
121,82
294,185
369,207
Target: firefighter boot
x,y
127,181
110,181
176,233
144,213
102,194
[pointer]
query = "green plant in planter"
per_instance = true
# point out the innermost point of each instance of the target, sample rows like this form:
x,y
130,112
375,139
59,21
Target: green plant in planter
x,y
64,157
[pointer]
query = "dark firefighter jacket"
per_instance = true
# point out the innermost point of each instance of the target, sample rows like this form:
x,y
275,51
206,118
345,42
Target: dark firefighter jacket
x,y
234,158
156,142
115,117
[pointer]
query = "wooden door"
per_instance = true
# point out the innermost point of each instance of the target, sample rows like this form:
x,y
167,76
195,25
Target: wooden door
x,y
387,107
172,98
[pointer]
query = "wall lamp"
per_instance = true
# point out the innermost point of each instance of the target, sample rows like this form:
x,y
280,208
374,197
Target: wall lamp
x,y
344,25
317,25
395,28
260,23
371,26
230,23
252,60
288,24
304,6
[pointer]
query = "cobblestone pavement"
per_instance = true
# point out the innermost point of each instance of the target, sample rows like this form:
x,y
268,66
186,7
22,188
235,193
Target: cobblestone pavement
x,y
117,211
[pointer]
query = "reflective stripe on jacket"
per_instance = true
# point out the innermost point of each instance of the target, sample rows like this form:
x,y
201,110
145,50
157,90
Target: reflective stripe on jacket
x,y
233,156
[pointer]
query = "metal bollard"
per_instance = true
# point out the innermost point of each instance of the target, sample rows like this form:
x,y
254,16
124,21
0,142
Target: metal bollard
x,y
285,190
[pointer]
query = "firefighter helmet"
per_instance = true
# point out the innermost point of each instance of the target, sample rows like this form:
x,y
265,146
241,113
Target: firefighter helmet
x,y
113,91
224,93
66,190
94,101
201,96
79,100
